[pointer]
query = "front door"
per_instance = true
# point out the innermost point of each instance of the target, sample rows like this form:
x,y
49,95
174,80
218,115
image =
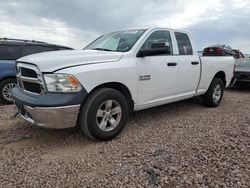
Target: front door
x,y
158,75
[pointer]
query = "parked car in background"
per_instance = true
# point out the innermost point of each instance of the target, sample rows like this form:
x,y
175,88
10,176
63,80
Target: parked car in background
x,y
121,72
10,51
242,69
218,50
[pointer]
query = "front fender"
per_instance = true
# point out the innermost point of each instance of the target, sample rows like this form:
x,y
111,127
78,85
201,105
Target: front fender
x,y
92,76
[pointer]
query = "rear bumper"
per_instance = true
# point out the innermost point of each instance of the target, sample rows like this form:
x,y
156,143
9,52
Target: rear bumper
x,y
50,117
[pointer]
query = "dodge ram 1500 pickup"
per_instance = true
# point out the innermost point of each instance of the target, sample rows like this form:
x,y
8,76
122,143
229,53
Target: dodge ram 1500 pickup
x,y
96,88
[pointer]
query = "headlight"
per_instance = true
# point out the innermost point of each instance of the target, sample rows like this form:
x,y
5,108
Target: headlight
x,y
62,83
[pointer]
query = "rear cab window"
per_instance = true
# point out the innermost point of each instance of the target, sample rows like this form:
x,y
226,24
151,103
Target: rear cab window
x,y
10,52
184,43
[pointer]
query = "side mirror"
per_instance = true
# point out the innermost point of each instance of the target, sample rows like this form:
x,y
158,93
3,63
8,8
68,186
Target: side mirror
x,y
156,49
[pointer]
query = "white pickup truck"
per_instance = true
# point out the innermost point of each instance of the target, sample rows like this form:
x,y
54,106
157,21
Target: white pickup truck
x,y
96,88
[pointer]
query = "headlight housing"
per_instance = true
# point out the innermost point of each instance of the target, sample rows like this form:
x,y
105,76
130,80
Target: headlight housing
x,y
62,83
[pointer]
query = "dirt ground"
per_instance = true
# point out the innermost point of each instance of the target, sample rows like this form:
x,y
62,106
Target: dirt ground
x,y
178,145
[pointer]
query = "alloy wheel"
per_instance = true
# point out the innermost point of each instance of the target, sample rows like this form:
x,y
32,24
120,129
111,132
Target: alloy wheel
x,y
217,93
7,91
109,115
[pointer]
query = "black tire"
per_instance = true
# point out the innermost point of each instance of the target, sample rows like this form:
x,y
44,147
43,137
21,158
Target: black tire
x,y
3,85
208,98
88,119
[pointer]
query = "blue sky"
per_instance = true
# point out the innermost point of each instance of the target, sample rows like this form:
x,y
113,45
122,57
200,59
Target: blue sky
x,y
77,22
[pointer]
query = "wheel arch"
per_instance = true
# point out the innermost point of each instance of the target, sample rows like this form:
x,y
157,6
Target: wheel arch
x,y
7,77
222,76
120,87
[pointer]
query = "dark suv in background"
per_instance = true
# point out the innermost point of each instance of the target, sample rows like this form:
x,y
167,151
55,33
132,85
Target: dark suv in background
x,y
218,50
10,51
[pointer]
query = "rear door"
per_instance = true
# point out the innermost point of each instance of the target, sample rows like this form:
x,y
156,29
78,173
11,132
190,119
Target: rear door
x,y
189,65
158,75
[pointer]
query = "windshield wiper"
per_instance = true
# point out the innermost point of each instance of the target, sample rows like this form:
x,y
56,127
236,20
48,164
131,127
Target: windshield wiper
x,y
102,49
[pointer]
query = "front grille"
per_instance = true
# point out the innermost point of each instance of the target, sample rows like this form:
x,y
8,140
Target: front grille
x,y
29,78
32,87
28,72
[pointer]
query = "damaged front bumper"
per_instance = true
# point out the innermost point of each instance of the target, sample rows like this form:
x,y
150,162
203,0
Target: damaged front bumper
x,y
49,110
50,117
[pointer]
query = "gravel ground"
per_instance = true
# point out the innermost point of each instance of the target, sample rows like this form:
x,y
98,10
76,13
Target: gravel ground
x,y
179,145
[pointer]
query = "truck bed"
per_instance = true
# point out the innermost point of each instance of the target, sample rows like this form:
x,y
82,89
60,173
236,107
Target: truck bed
x,y
210,66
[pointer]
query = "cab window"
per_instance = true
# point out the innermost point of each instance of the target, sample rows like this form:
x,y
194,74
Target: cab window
x,y
184,44
159,38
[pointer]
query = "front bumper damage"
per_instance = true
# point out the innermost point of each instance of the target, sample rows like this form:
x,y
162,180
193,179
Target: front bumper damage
x,y
49,110
50,117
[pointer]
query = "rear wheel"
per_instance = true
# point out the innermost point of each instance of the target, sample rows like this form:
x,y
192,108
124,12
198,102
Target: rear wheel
x,y
214,94
104,114
5,90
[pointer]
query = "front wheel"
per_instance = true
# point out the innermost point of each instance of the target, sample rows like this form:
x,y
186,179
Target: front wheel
x,y
214,94
104,114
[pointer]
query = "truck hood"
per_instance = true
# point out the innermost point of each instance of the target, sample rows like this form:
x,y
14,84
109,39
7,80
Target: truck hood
x,y
52,61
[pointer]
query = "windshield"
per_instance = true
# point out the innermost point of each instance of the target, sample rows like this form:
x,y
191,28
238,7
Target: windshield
x,y
120,41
